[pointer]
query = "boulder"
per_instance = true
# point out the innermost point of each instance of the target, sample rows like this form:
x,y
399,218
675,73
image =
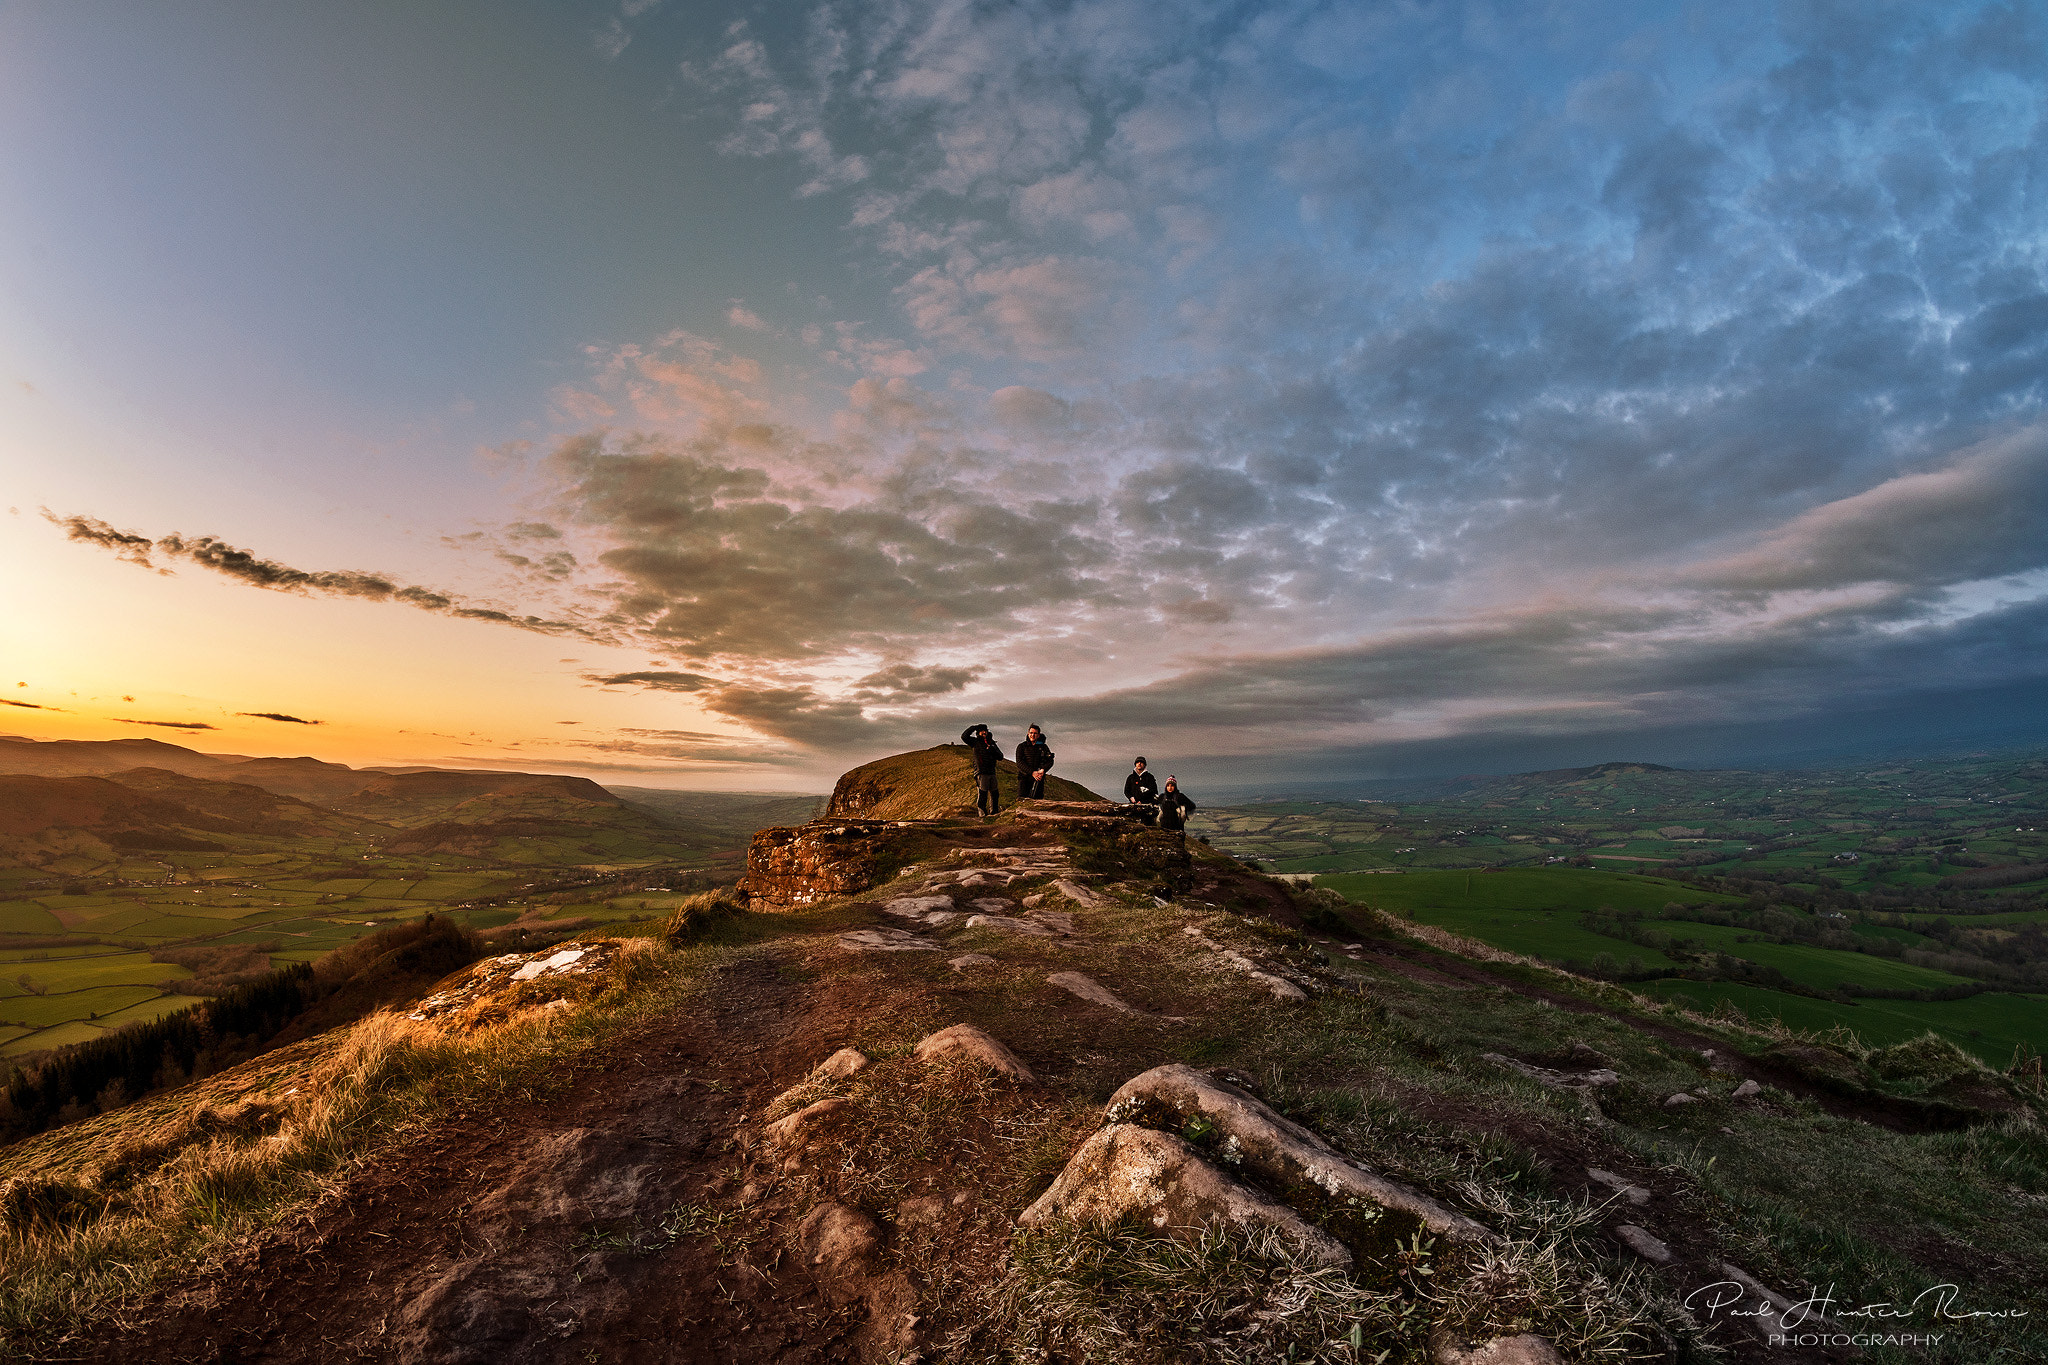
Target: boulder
x,y
1124,1171
1280,1153
1748,1090
1680,1100
967,960
965,1040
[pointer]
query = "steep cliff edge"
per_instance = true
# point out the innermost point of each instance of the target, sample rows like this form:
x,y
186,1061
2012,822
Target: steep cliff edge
x,y
1056,1087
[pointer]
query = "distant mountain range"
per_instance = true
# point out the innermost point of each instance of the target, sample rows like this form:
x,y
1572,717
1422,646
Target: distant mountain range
x,y
146,794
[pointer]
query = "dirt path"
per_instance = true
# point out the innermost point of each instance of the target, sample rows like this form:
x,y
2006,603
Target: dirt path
x,y
473,1247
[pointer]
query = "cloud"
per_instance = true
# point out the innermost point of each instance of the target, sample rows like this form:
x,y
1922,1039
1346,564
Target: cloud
x,y
1981,515
168,724
658,681
277,715
250,569
28,705
902,683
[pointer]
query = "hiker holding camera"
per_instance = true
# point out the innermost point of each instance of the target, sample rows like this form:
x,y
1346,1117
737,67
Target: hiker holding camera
x,y
987,754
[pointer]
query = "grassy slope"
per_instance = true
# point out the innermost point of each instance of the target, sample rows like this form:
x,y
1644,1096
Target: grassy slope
x,y
1535,911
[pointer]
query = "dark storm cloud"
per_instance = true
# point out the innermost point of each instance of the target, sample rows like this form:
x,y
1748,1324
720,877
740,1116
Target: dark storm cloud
x,y
169,724
277,715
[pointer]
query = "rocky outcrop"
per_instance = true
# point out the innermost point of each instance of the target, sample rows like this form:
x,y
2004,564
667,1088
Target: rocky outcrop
x,y
798,865
1279,1153
965,1040
929,784
1125,1171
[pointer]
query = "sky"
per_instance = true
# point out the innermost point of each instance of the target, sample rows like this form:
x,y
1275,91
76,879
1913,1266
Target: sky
x,y
720,395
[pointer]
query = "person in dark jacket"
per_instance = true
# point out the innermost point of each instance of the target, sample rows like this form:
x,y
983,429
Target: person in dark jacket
x,y
1033,760
1142,789
1175,806
987,754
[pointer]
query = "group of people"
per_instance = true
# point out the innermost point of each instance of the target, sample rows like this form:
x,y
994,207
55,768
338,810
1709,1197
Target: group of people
x,y
1169,808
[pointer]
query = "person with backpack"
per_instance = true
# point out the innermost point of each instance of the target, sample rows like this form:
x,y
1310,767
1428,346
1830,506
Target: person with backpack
x,y
987,754
1034,758
1175,806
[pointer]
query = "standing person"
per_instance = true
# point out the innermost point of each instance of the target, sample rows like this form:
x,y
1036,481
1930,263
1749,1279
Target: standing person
x,y
1175,806
987,754
1034,758
1142,789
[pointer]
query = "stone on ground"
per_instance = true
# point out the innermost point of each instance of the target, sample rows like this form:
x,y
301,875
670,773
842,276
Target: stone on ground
x,y
1635,1194
1081,895
796,1132
1526,1349
1124,1171
1642,1243
967,960
965,1040
886,941
840,1065
1748,1089
1006,924
1091,990
1276,1150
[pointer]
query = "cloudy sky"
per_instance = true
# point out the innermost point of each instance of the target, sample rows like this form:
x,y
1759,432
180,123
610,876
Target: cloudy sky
x,y
718,395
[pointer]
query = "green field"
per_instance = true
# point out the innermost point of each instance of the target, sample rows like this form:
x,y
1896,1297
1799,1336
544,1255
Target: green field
x,y
1989,1025
1532,888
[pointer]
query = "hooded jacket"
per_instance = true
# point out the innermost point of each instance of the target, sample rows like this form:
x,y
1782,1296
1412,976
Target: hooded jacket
x,y
987,754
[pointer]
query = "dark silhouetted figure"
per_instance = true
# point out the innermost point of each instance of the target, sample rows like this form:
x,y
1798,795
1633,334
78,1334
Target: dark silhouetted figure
x,y
1034,759
1142,789
987,754
1175,806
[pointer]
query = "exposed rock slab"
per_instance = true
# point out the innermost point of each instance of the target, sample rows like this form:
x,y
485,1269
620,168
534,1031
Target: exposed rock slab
x,y
968,961
1124,1171
573,1175
796,865
1596,1079
1081,895
1642,1243
1635,1194
1526,1349
1091,990
1008,924
1281,988
841,1064
886,941
1279,1152
917,907
965,1040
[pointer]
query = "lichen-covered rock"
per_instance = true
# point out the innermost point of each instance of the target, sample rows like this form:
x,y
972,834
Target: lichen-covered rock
x,y
1125,1171
965,1040
1280,1153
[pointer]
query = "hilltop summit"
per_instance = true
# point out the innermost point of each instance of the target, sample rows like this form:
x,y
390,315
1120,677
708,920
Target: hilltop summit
x,y
930,784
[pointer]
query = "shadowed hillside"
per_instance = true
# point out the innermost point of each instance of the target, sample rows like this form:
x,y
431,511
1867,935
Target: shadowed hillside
x,y
1055,1087
930,784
